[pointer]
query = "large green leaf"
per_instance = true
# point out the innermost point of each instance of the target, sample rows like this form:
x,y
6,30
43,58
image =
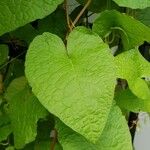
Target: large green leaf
x,y
127,100
74,83
133,67
24,111
3,53
133,32
134,4
115,136
16,13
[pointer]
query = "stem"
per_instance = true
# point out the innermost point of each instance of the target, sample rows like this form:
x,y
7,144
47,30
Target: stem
x,y
52,147
12,60
81,13
1,83
67,14
108,4
132,123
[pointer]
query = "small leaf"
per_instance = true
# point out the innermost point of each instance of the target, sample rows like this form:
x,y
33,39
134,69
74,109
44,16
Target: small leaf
x,y
3,53
24,111
115,135
77,87
133,67
14,14
127,100
134,4
133,32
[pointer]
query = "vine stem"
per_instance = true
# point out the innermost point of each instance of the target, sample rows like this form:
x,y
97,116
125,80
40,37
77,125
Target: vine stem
x,y
81,13
67,14
1,83
11,60
52,147
108,4
132,123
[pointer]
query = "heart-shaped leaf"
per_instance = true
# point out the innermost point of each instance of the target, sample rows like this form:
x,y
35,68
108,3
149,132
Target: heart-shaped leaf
x,y
74,83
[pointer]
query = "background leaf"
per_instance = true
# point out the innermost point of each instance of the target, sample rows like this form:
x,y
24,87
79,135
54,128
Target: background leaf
x,y
14,14
134,4
99,5
133,32
24,111
127,100
143,16
54,23
132,66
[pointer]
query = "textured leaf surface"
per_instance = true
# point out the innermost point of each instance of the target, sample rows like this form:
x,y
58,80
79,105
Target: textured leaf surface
x,y
76,86
134,4
127,100
16,13
115,136
24,111
3,53
133,67
133,32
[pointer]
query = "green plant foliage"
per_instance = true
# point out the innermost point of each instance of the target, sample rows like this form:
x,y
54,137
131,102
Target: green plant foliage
x,y
15,70
133,32
134,4
25,33
3,53
16,13
143,15
5,131
99,5
73,83
127,100
133,67
115,129
24,119
54,23
10,148
69,81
